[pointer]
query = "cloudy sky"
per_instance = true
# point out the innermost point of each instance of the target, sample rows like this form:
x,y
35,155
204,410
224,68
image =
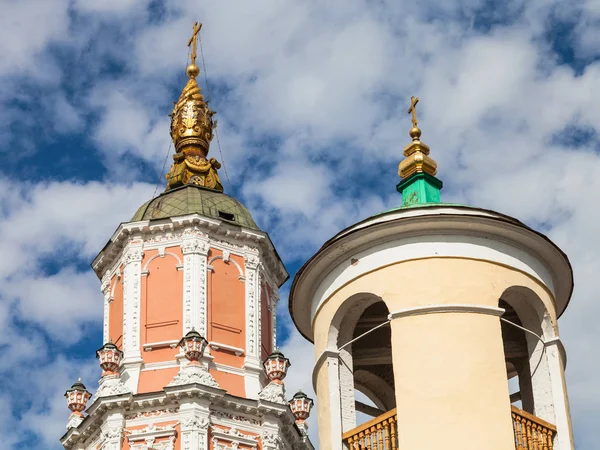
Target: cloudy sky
x,y
311,100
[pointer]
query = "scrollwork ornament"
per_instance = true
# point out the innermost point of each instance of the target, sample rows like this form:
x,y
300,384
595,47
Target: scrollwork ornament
x,y
196,423
133,255
111,433
271,440
273,392
194,374
194,246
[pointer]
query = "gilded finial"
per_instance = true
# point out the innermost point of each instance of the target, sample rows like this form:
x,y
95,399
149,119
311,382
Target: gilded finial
x,y
417,168
415,132
192,69
417,159
192,128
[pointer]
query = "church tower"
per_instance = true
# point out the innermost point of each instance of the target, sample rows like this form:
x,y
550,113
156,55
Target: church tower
x,y
429,310
190,289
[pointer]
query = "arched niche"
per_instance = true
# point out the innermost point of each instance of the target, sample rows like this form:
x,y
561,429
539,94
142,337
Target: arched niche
x,y
366,363
525,351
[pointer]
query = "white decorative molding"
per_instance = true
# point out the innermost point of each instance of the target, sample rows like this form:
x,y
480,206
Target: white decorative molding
x,y
193,373
107,297
162,344
252,361
145,438
447,308
131,302
271,440
111,385
228,348
74,421
240,240
227,261
273,306
273,392
159,255
195,253
234,436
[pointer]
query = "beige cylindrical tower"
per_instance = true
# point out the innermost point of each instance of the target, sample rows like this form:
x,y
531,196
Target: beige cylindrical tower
x,y
431,310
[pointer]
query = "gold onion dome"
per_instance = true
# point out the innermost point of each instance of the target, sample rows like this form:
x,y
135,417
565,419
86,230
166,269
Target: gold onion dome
x,y
192,128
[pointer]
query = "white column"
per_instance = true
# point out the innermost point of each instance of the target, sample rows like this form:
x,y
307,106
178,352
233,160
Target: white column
x,y
564,432
275,300
194,419
195,253
106,294
252,362
132,273
112,431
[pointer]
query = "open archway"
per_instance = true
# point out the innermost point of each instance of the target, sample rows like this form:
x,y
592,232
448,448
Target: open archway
x,y
365,359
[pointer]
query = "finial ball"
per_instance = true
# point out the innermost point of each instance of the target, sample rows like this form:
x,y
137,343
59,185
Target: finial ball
x,y
415,133
193,71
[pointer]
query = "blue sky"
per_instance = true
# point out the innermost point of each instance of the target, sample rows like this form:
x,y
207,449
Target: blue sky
x,y
311,100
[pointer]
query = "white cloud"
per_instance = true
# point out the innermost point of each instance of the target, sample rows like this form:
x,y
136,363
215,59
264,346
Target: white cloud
x,y
311,99
110,6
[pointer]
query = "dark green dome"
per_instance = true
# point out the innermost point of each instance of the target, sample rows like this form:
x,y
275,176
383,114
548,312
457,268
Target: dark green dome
x,y
191,199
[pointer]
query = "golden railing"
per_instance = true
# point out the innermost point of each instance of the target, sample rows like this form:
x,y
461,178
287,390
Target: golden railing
x,y
376,434
531,433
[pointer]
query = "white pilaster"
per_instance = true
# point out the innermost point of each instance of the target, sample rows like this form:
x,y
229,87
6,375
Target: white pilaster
x,y
106,294
195,252
112,431
195,421
275,300
252,362
132,272
564,432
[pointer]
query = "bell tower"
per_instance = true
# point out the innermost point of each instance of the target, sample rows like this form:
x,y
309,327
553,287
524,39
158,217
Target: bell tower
x,y
190,288
429,310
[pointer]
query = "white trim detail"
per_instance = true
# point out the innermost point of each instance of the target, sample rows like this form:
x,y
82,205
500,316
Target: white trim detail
x,y
252,362
447,308
106,293
159,255
162,344
233,436
195,253
151,432
320,360
131,301
227,261
218,346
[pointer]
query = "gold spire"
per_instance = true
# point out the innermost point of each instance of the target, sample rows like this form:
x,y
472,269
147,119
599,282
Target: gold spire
x,y
416,153
192,128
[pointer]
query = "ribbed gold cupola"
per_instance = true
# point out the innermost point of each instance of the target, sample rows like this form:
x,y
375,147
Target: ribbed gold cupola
x,y
192,128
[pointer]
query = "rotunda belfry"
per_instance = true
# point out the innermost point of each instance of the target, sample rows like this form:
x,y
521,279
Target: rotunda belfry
x,y
190,289
429,310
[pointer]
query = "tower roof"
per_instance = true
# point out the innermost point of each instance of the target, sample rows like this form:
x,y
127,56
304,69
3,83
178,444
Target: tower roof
x,y
191,199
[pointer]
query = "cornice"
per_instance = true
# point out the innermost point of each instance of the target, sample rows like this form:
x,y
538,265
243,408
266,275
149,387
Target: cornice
x,y
239,239
224,407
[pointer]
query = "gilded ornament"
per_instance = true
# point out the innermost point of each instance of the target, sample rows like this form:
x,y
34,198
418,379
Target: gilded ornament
x,y
192,128
417,153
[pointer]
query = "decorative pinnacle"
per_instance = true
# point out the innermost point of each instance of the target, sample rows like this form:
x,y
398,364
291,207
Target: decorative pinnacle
x,y
192,127
417,153
192,69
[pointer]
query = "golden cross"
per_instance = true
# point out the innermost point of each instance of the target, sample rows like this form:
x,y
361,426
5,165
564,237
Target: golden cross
x,y
193,41
413,110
